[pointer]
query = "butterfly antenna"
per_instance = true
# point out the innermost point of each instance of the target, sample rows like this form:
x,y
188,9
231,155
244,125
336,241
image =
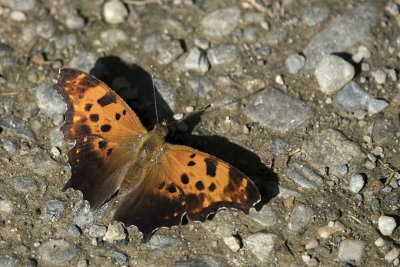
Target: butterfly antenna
x,y
190,115
154,91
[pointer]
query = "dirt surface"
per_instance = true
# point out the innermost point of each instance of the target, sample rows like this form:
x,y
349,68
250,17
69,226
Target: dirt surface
x,y
327,170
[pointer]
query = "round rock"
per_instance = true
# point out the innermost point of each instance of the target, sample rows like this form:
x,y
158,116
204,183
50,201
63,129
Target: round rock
x,y
221,22
351,250
356,183
260,245
333,73
386,225
300,217
58,251
294,63
115,12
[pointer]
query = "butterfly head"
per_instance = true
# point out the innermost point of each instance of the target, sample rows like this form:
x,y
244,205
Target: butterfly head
x,y
161,129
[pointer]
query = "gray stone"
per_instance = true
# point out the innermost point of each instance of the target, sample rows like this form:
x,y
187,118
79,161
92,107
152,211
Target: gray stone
x,y
353,99
7,261
23,5
293,175
57,138
331,149
294,63
357,183
277,36
232,242
221,22
343,170
97,230
54,208
118,257
306,172
49,101
44,29
351,251
168,51
375,204
341,34
84,217
6,207
278,111
202,43
115,12
115,232
301,216
85,61
167,92
25,184
10,146
266,216
379,76
150,43
201,86
333,73
250,34
74,20
40,162
74,231
17,125
315,15
264,51
384,131
222,54
112,38
66,41
333,215
201,261
197,61
392,199
82,263
260,244
58,251
160,242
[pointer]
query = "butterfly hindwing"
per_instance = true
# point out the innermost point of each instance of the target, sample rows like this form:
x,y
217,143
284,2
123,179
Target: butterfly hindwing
x,y
185,181
94,109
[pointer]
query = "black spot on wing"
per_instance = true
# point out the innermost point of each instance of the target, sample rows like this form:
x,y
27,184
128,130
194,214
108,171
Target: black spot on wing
x,y
94,117
124,112
107,99
192,156
191,163
184,178
161,185
105,128
199,185
171,188
83,120
102,144
88,107
212,187
211,165
109,151
117,116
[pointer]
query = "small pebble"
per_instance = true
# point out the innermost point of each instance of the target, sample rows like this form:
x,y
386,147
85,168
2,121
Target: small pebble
x,y
114,232
357,183
294,63
379,242
55,152
24,184
74,231
118,257
392,254
279,80
54,209
97,230
17,15
344,169
351,250
115,12
6,206
386,225
379,76
232,242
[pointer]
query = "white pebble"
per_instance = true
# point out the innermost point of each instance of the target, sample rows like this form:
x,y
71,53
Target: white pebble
x,y
178,116
189,109
386,225
356,183
392,254
17,15
115,12
379,76
6,206
55,152
379,242
232,242
333,73
279,80
306,258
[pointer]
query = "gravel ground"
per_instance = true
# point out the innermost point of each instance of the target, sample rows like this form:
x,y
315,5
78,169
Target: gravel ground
x,y
305,100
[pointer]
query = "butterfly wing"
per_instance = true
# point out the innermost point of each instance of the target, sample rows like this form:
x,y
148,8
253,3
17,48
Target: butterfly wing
x,y
105,129
185,180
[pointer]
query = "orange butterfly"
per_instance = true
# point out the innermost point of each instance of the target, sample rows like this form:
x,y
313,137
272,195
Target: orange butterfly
x,y
161,182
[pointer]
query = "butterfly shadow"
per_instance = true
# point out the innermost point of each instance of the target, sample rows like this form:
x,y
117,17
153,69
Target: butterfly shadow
x,y
135,86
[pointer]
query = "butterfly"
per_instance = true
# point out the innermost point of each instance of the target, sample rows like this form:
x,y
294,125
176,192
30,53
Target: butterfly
x,y
161,182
